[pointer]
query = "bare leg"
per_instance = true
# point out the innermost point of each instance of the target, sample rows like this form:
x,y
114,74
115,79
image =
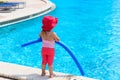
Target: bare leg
x,y
51,72
43,70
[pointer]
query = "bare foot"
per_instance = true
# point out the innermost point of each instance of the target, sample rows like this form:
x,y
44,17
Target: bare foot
x,y
51,76
43,74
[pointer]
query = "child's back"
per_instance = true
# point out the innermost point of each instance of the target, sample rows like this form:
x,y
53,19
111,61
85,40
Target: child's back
x,y
49,36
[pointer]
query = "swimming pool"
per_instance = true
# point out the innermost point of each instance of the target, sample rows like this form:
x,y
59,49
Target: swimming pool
x,y
90,28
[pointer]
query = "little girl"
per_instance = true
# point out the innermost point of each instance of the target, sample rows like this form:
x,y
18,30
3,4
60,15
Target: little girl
x,y
48,42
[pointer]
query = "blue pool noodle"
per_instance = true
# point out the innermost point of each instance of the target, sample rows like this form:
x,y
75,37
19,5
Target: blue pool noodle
x,y
66,48
32,42
72,55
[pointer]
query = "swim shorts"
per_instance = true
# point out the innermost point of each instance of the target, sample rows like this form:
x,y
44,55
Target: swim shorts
x,y
47,56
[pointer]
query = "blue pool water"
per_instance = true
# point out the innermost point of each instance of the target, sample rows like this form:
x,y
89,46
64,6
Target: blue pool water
x,y
91,29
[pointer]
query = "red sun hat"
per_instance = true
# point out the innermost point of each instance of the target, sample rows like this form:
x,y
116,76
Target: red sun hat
x,y
49,22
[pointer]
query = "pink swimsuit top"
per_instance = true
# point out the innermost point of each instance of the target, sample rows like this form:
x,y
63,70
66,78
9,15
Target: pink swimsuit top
x,y
48,44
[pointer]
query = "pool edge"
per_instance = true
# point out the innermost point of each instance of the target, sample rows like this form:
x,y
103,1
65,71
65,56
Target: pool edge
x,y
19,72
50,7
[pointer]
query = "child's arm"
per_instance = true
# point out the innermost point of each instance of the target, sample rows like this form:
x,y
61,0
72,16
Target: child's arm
x,y
56,37
40,35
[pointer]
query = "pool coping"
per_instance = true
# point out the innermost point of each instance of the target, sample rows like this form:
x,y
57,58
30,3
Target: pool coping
x,y
48,7
20,72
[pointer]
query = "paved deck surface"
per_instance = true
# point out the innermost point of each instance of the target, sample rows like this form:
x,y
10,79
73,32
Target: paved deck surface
x,y
11,71
4,78
32,8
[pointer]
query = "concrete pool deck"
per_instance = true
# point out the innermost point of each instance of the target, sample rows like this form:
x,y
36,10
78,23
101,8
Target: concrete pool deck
x,y
10,71
32,9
